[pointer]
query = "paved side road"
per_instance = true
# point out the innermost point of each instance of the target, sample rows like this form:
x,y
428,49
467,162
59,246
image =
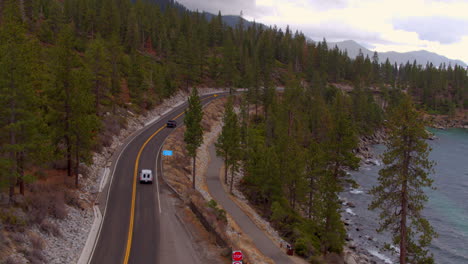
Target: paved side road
x,y
262,242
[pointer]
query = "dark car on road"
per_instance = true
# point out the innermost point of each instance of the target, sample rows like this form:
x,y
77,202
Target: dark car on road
x,y
171,123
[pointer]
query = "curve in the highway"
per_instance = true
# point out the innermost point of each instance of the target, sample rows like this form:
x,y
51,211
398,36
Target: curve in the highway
x,y
139,224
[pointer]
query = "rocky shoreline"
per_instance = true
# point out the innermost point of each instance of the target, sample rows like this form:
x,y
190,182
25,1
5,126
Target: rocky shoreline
x,y
460,120
354,253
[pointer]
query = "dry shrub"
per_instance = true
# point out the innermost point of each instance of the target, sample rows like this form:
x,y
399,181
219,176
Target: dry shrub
x,y
18,238
334,258
4,242
105,140
46,200
34,256
36,241
50,228
11,260
111,126
71,198
14,219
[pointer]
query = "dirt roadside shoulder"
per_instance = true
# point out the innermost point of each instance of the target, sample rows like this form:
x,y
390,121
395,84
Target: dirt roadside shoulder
x,y
177,172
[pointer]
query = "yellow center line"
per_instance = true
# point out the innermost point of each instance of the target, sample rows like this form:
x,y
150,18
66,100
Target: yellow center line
x,y
135,174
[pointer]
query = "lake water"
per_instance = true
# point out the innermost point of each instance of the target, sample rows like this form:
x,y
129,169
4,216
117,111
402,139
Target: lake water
x,y
447,208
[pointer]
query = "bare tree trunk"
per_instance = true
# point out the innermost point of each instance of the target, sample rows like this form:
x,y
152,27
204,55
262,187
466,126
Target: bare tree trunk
x,y
232,179
256,108
1,8
404,206
22,11
293,196
194,170
69,155
327,228
225,169
77,162
403,230
311,196
67,129
13,153
21,172
97,93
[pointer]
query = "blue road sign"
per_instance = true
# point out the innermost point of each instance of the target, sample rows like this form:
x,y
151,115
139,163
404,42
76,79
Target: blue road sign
x,y
167,152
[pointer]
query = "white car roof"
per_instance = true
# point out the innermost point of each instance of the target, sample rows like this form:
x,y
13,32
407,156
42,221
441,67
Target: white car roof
x,y
146,171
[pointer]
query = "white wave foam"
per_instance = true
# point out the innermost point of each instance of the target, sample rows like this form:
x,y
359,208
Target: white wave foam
x,y
375,162
349,211
356,191
397,249
380,256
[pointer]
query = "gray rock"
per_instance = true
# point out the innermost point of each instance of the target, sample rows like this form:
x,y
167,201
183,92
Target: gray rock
x,y
349,259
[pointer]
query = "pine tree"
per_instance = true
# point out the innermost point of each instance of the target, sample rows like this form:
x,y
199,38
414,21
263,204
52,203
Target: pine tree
x,y
235,147
228,66
262,169
400,193
60,94
339,147
227,143
98,60
193,136
84,123
315,167
22,131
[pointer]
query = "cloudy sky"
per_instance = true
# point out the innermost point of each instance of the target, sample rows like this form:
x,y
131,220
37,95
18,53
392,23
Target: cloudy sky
x,y
439,26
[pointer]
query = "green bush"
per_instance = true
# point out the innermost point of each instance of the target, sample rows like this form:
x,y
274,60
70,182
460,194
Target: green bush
x,y
301,247
220,213
316,260
13,218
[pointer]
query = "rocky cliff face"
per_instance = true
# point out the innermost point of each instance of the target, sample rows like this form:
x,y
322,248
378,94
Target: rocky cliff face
x,y
365,142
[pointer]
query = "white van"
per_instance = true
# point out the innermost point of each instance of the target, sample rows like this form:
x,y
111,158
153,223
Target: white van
x,y
146,176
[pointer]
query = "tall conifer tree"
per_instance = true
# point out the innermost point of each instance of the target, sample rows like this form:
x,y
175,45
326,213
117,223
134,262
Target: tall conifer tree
x,y
400,193
193,136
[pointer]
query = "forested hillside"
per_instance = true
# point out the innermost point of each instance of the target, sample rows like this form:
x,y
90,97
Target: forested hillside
x,y
70,71
68,68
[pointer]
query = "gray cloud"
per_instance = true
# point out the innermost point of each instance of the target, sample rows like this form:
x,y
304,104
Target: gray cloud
x,y
249,7
338,31
445,30
227,7
328,4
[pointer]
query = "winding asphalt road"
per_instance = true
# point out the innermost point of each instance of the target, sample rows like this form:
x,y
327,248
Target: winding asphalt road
x,y
215,187
140,223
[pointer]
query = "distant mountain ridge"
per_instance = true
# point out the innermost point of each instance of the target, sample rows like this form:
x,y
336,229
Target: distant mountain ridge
x,y
422,57
232,21
229,20
352,47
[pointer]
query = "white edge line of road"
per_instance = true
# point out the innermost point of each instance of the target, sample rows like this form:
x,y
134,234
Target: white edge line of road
x,y
88,250
156,173
104,179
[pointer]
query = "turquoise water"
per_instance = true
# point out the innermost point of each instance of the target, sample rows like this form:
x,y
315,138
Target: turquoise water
x,y
447,208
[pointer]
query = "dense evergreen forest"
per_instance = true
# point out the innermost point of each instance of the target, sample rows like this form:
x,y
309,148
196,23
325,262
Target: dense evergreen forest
x,y
70,70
